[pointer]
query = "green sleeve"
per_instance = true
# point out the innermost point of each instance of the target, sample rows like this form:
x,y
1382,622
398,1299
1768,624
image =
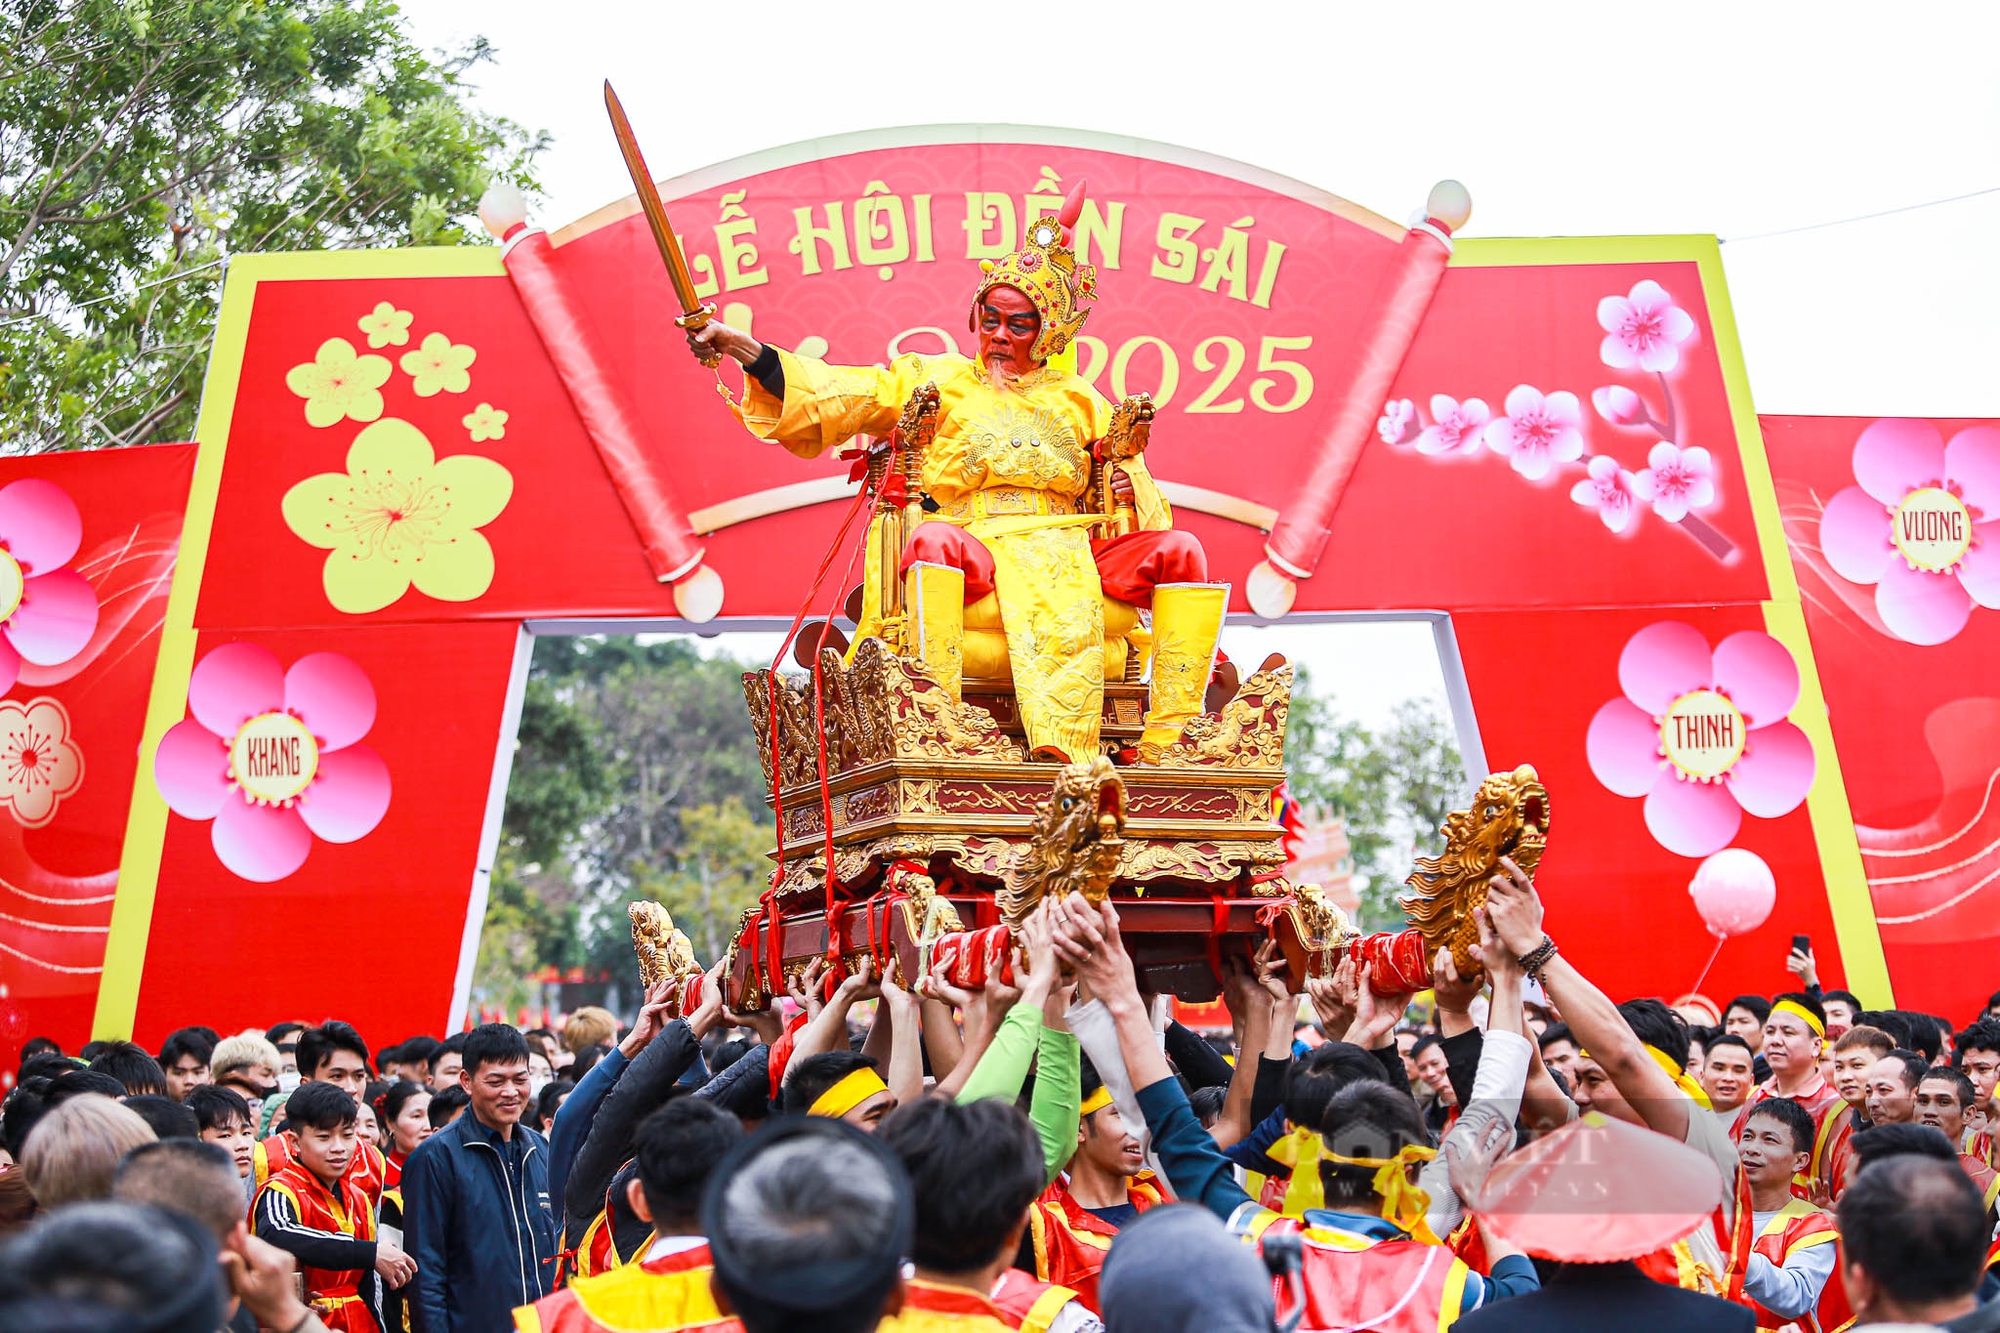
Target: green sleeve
x,y
1004,1065
1058,1097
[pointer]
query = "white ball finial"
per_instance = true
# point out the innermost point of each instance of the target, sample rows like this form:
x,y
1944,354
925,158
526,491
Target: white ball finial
x,y
1270,593
1449,203
698,597
502,208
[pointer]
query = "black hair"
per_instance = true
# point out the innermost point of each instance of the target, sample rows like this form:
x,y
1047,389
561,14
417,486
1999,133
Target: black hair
x,y
168,1118
1729,1039
317,1045
1365,1119
549,1100
187,1041
214,1107
394,1098
808,1080
1790,1114
1703,1037
1925,1039
1666,1031
587,1058
452,1045
77,1082
1882,1141
1890,1021
494,1044
974,1169
319,1106
1755,1004
1961,1086
1554,1033
278,1032
675,1149
110,1265
726,1053
45,1066
1914,1066
1207,1103
136,1071
1917,1229
1846,997
92,1049
1089,1080
21,1112
1424,1043
1981,1035
1312,1082
420,1050
34,1046
1805,1002
446,1103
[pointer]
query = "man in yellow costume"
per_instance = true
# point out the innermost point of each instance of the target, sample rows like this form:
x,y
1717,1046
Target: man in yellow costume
x,y
1006,484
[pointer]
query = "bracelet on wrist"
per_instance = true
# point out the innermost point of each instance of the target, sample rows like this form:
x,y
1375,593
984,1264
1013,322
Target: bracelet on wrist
x,y
1537,958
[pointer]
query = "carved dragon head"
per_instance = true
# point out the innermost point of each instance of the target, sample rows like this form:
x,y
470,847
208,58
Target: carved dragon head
x,y
1077,840
1509,816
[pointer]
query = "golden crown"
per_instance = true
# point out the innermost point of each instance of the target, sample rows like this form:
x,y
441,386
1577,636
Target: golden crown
x,y
1045,270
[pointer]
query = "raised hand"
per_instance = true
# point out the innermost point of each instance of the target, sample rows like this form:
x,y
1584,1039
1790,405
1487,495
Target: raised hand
x,y
1334,997
1273,975
716,336
1375,1016
1515,908
653,1015
1087,939
709,1011
1455,994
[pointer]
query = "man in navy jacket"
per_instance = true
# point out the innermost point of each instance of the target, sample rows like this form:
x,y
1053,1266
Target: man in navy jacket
x,y
476,1215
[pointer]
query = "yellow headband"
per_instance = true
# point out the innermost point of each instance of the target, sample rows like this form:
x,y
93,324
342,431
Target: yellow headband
x,y
1403,1202
1095,1102
1304,1189
1795,1008
847,1094
1682,1079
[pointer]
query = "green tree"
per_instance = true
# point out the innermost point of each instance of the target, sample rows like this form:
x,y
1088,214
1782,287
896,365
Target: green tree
x,y
1394,787
143,142
718,869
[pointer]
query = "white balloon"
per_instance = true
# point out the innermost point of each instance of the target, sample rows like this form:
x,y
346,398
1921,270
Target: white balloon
x,y
1734,890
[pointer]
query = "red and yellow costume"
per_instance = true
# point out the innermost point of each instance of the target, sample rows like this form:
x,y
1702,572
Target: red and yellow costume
x,y
369,1168
1398,1285
1833,1146
341,1296
670,1295
596,1251
1008,544
1798,1225
931,1307
1071,1241
1983,1176
1028,1303
392,1169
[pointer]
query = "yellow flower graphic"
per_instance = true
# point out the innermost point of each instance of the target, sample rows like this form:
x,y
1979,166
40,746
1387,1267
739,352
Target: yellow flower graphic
x,y
337,383
438,366
385,324
486,422
400,516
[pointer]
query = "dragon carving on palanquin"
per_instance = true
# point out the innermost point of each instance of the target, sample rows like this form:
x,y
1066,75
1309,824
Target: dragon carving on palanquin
x,y
1076,843
1509,816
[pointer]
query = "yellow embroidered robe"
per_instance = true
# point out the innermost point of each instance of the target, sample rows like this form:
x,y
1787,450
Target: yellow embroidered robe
x,y
1010,465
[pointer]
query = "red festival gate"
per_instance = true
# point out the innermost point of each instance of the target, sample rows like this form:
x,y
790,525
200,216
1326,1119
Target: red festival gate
x,y
406,457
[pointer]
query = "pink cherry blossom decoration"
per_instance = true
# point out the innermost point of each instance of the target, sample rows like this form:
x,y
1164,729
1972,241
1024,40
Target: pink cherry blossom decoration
x,y
1608,490
1923,526
1398,422
274,757
1734,891
47,610
1677,480
1539,431
1643,329
1702,734
1619,405
1457,427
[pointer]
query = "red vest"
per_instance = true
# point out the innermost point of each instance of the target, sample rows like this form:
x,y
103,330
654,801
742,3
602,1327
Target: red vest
x,y
368,1168
1029,1303
597,1251
1354,1281
929,1307
1821,1103
1798,1225
1070,1241
336,1294
1832,1147
392,1169
668,1295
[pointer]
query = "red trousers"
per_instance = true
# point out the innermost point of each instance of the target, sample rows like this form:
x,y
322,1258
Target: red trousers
x,y
1129,567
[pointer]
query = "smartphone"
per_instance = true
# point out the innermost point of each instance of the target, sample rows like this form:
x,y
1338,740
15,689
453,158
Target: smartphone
x,y
1802,944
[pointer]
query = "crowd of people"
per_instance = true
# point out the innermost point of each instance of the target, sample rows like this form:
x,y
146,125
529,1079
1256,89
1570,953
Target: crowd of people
x,y
1052,1153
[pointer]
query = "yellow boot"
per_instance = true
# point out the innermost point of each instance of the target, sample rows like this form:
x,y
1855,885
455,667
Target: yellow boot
x,y
1187,627
934,602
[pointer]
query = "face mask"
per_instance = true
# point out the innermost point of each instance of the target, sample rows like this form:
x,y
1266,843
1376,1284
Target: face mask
x,y
288,1082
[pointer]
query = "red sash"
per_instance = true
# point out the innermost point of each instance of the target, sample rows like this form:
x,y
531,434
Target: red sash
x,y
1385,1286
368,1169
1028,1303
670,1295
1070,1241
335,1293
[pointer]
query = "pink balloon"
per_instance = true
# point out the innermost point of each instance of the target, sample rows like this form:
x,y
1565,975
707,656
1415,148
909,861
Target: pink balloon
x,y
1734,891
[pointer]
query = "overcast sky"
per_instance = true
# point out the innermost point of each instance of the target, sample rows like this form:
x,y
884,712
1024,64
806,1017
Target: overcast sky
x,y
1737,119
